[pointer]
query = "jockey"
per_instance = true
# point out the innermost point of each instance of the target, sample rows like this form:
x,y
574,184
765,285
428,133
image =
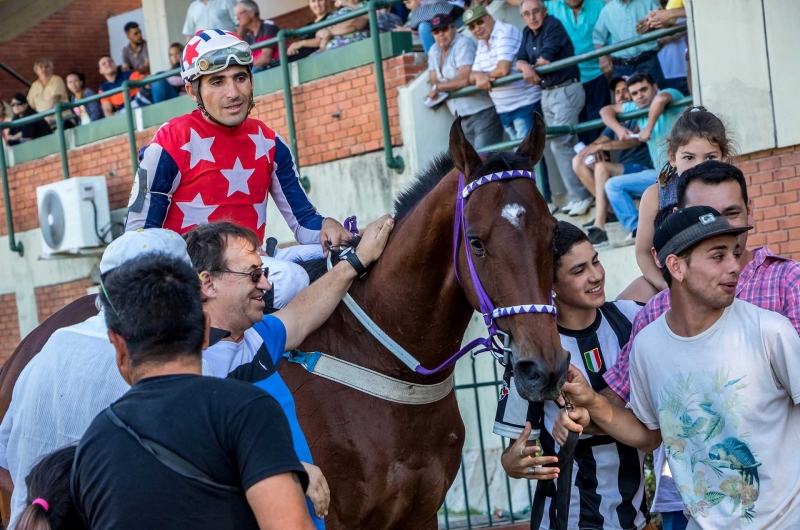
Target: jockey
x,y
215,163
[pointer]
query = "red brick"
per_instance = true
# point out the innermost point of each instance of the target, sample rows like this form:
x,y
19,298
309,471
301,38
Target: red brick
x,y
786,197
784,173
51,298
777,237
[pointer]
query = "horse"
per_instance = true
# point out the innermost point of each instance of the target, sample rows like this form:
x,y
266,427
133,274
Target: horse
x,y
390,465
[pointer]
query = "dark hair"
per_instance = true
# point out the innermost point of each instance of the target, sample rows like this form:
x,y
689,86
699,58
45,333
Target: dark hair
x,y
695,122
663,213
686,255
130,25
153,301
79,75
641,76
176,45
49,480
713,173
567,236
206,244
19,96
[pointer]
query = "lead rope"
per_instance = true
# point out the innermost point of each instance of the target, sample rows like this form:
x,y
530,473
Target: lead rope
x,y
563,485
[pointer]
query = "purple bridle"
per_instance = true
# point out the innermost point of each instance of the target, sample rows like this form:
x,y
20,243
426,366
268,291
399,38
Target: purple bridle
x,y
490,313
488,310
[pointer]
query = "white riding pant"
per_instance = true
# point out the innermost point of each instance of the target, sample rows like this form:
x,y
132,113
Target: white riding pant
x,y
286,276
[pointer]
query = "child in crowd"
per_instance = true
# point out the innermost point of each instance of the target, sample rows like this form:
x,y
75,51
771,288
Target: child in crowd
x,y
696,137
50,504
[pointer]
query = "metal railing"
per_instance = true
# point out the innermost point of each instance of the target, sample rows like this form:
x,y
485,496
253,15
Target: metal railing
x,y
392,161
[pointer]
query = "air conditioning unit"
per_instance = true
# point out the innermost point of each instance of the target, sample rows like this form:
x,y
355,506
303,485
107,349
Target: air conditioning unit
x,y
73,215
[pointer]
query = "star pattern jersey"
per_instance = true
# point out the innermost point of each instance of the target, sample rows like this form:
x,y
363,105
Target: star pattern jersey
x,y
195,172
608,489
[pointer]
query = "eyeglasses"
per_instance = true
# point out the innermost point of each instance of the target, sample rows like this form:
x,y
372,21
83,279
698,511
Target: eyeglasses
x,y
479,22
533,12
16,104
255,275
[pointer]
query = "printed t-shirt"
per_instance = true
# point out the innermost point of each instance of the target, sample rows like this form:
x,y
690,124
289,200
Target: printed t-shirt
x,y
726,404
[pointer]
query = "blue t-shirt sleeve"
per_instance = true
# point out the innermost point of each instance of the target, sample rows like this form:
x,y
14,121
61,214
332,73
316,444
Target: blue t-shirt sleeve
x,y
273,332
676,95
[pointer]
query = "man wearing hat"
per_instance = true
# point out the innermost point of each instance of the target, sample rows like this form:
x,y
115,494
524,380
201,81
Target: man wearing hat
x,y
73,378
496,56
718,379
449,67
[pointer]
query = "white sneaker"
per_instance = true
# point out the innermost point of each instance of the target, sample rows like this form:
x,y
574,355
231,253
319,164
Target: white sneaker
x,y
581,207
569,207
552,207
629,240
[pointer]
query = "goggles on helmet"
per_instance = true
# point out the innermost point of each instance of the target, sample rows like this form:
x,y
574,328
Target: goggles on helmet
x,y
221,59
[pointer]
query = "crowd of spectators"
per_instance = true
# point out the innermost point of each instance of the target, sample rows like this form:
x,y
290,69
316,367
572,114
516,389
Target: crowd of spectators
x,y
557,30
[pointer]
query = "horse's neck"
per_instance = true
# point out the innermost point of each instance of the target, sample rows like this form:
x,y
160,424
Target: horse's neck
x,y
412,292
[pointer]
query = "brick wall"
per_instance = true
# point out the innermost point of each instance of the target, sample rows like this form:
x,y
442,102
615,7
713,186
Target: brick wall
x,y
321,137
73,38
773,181
51,298
295,19
9,326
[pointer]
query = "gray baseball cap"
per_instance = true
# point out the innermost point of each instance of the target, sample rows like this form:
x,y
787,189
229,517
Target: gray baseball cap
x,y
137,242
685,228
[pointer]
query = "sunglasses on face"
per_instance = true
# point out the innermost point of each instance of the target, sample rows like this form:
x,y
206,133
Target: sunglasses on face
x,y
473,25
16,104
255,275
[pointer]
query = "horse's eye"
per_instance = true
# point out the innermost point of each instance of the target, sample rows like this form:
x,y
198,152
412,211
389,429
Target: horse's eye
x,y
477,246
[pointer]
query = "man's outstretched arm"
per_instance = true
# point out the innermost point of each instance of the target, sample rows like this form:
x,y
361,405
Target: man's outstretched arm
x,y
314,304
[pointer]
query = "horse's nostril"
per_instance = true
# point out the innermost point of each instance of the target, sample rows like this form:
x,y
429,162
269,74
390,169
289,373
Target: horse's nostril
x,y
528,371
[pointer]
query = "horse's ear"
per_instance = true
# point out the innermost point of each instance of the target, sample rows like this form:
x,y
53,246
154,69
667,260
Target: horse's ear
x,y
465,157
532,147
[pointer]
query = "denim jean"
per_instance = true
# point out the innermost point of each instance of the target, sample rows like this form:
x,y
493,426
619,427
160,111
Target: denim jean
x,y
622,190
425,35
518,122
162,91
674,521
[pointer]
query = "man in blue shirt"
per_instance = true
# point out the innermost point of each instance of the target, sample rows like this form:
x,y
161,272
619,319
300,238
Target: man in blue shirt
x,y
617,23
579,18
654,129
544,41
248,346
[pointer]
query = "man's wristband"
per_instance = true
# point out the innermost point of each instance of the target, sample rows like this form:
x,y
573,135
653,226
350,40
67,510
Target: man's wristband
x,y
349,255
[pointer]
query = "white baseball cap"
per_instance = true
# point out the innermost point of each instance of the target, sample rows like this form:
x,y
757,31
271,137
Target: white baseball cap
x,y
138,242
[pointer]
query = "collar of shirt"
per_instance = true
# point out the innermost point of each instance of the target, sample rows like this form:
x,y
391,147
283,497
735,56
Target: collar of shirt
x,y
760,256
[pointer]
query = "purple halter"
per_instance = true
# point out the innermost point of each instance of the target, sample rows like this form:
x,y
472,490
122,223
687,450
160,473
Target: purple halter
x,y
490,313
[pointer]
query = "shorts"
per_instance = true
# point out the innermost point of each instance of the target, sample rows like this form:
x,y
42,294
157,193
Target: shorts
x,y
633,168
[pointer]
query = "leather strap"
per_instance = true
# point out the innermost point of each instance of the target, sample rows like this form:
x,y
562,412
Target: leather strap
x,y
563,488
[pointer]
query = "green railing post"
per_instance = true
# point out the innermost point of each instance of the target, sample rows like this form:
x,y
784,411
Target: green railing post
x,y
126,92
62,141
394,162
12,241
287,96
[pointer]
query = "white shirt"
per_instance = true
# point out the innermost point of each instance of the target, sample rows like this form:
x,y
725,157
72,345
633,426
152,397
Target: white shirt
x,y
726,403
461,53
504,42
56,397
216,14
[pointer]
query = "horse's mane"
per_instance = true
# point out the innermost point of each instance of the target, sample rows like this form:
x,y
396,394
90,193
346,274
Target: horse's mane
x,y
443,164
425,181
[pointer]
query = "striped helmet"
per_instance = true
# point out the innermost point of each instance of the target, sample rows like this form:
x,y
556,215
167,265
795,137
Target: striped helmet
x,y
211,51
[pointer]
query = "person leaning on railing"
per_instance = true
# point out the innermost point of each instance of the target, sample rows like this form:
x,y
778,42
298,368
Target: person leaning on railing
x,y
76,83
30,131
47,90
449,66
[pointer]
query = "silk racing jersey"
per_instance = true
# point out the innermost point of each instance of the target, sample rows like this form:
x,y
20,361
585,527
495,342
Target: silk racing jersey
x,y
195,172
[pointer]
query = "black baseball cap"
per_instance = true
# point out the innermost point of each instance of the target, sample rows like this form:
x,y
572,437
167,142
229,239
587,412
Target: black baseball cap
x,y
685,228
441,21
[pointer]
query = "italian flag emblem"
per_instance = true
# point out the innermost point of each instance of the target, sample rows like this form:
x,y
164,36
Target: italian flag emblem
x,y
593,360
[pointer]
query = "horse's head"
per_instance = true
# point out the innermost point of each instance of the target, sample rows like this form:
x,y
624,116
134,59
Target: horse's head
x,y
510,232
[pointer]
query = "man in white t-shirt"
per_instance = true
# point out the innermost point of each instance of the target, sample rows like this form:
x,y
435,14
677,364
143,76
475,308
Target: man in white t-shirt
x,y
496,57
718,379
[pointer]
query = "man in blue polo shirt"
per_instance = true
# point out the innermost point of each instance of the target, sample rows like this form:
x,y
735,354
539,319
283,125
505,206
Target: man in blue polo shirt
x,y
246,345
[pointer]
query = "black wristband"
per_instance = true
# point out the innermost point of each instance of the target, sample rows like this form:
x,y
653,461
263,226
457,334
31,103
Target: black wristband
x,y
350,256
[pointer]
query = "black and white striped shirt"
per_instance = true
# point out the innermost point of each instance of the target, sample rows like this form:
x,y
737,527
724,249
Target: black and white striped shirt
x,y
608,490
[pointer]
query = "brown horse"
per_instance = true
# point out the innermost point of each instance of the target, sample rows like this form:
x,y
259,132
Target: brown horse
x,y
388,465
